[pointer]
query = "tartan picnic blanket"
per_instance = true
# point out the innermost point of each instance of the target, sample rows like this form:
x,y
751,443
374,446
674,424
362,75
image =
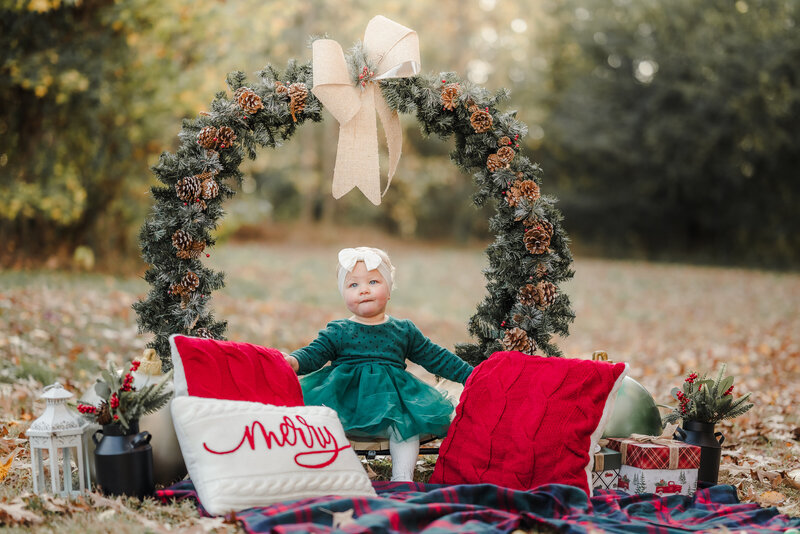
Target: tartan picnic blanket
x,y
435,508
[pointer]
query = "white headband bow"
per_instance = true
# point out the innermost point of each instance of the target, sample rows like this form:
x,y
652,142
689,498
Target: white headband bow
x,y
348,257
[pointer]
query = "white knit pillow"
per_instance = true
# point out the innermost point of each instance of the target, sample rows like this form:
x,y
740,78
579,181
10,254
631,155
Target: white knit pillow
x,y
243,454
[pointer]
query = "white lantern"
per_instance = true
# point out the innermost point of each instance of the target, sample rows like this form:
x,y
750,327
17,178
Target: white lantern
x,y
59,431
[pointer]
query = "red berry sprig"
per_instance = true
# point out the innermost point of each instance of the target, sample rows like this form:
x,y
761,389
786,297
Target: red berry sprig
x,y
127,384
684,400
365,76
113,402
87,408
728,391
691,378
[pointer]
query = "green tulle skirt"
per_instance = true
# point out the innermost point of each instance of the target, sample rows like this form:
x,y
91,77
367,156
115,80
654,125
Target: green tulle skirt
x,y
372,398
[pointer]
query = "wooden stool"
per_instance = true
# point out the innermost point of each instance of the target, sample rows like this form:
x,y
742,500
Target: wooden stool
x,y
370,448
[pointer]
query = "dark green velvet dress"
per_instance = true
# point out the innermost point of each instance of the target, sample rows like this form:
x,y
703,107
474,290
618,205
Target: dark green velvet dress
x,y
367,384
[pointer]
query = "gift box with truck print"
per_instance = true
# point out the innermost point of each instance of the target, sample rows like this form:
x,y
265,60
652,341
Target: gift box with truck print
x,y
605,471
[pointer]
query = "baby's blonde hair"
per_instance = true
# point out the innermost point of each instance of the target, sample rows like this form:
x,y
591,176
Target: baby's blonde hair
x,y
385,268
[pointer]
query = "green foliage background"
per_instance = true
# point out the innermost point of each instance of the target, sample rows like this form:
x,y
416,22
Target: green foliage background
x,y
668,130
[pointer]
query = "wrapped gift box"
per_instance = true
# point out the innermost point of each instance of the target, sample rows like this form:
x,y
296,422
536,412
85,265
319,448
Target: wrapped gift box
x,y
605,471
656,465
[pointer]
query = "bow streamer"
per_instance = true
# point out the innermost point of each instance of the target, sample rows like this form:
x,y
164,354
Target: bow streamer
x,y
394,49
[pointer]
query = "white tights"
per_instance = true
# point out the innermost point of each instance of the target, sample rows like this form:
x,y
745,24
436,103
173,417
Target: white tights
x,y
404,456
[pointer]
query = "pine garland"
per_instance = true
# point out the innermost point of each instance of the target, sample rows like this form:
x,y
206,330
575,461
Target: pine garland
x,y
511,265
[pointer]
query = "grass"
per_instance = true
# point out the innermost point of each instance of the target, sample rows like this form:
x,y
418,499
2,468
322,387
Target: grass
x,y
664,320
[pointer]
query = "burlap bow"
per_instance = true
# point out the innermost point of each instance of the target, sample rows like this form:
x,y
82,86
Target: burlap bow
x,y
394,49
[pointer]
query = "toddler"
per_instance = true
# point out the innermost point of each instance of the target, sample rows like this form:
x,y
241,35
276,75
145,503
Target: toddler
x,y
366,383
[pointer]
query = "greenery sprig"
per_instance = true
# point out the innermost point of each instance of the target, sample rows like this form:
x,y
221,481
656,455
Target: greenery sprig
x,y
706,400
121,402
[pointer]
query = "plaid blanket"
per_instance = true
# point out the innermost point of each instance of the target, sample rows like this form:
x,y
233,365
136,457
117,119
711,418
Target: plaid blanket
x,y
432,508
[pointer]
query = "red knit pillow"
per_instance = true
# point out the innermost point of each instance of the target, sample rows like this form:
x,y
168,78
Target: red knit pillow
x,y
233,371
524,421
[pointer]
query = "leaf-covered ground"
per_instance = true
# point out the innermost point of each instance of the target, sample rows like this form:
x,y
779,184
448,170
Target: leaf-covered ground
x,y
664,320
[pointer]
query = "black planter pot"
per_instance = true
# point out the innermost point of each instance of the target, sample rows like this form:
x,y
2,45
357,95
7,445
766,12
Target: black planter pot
x,y
124,461
710,443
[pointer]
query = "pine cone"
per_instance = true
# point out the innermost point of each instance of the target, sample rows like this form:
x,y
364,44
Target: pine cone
x,y
188,188
281,89
204,333
541,270
513,195
248,100
209,188
547,294
193,252
537,240
450,96
529,295
506,154
517,339
226,137
207,138
546,225
494,163
530,190
177,289
481,121
297,99
181,240
190,281
104,415
504,141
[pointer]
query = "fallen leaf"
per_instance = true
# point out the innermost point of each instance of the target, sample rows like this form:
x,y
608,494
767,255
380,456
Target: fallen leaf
x,y
106,514
771,498
370,473
5,464
768,477
53,504
15,513
210,524
792,479
342,519
100,500
117,505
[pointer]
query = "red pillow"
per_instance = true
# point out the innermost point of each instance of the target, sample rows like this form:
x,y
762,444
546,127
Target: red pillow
x,y
524,421
233,371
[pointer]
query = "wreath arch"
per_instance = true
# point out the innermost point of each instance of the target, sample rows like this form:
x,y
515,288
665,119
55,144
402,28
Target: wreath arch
x,y
528,259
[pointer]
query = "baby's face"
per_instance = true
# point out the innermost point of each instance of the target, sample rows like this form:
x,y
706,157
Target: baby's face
x,y
366,293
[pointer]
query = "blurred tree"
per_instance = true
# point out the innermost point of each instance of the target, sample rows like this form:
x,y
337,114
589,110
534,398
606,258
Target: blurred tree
x,y
65,84
672,127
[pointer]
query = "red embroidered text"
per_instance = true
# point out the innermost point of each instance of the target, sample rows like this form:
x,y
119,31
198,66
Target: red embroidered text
x,y
323,449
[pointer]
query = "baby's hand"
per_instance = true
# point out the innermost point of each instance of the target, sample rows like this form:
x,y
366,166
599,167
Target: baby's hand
x,y
292,361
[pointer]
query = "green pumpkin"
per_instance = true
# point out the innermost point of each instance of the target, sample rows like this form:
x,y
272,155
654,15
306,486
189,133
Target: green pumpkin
x,y
635,412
